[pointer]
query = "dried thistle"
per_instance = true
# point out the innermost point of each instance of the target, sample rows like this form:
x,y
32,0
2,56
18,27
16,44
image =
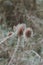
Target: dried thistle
x,y
28,33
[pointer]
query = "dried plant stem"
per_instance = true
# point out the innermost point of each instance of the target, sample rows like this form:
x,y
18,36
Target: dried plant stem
x,y
18,42
33,52
6,38
36,53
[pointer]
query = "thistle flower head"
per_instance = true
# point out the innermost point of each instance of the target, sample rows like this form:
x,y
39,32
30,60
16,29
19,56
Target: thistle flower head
x,y
28,33
20,28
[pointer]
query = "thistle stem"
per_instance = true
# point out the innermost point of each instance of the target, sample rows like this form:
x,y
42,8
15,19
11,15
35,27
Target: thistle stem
x,y
18,42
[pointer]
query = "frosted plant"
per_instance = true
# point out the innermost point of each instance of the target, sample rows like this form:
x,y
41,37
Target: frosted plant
x,y
19,27
27,35
23,36
30,57
6,38
20,30
28,32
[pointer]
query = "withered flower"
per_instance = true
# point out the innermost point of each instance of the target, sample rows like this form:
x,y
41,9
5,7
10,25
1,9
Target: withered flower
x,y
20,28
28,33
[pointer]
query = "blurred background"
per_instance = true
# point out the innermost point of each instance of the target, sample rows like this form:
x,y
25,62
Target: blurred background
x,y
13,12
